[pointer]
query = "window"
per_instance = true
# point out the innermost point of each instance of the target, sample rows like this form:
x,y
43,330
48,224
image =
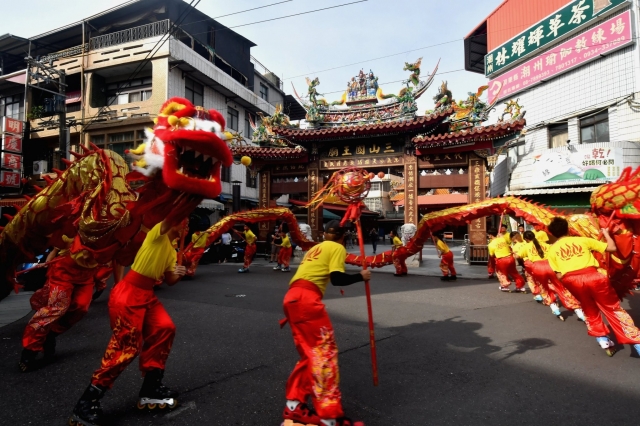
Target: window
x,y
126,92
248,131
558,135
12,107
375,186
232,119
252,182
595,128
194,92
225,174
264,92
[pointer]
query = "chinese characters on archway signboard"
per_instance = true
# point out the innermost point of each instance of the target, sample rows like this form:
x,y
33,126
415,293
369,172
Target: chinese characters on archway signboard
x,y
555,27
581,166
11,179
605,38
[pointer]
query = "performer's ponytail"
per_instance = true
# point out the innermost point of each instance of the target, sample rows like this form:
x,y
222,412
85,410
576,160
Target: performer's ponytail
x,y
530,236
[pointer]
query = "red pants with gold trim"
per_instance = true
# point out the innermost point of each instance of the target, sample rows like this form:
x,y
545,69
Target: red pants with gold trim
x,y
491,266
284,256
63,301
534,286
550,284
140,325
446,264
102,276
399,258
192,258
249,252
506,269
316,373
596,295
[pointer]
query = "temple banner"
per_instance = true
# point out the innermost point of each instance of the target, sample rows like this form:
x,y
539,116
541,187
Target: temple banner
x,y
605,38
555,27
390,160
579,166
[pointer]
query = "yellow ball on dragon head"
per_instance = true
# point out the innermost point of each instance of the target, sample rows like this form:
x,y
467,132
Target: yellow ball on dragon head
x,y
246,161
173,120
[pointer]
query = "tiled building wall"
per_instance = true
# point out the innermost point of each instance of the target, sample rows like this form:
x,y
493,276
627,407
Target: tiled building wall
x,y
599,85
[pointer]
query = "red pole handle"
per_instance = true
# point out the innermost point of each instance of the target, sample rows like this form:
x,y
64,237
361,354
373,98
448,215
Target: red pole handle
x,y
372,335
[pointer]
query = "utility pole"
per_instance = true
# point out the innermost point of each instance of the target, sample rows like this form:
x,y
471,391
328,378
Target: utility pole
x,y
39,73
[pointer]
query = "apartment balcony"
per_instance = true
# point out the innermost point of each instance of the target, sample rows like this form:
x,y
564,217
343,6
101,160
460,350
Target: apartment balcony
x,y
444,181
394,215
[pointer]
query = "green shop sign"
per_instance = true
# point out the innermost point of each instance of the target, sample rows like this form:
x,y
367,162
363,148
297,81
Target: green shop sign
x,y
554,27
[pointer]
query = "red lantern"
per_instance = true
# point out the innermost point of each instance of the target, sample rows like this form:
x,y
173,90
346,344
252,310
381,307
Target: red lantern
x,y
381,175
371,175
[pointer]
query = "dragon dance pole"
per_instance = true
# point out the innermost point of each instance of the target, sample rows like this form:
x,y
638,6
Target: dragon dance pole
x,y
183,234
372,334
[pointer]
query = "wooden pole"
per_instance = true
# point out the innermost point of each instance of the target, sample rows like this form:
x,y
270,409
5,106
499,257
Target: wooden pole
x,y
372,336
183,234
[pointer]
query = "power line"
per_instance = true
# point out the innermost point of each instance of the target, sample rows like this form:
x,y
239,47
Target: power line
x,y
247,10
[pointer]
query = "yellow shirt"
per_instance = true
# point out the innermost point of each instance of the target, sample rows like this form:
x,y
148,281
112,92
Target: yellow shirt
x,y
250,236
506,237
570,254
541,236
528,251
499,248
442,246
319,262
156,256
199,239
397,242
286,243
517,246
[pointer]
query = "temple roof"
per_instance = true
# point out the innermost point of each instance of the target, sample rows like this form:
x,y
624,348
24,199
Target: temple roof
x,y
365,129
473,134
269,153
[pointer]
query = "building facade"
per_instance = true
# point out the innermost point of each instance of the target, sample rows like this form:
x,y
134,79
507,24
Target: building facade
x,y
116,84
576,66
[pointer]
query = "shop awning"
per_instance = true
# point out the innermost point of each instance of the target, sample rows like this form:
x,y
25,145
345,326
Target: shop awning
x,y
541,191
211,205
326,214
441,199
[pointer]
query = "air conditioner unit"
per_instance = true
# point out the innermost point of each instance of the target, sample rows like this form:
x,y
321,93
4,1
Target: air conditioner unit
x,y
39,167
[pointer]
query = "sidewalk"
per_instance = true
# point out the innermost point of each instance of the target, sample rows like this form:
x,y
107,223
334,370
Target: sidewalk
x,y
14,307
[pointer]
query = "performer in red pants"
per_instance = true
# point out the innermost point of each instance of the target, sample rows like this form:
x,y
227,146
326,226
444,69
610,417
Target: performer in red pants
x,y
572,259
62,302
446,260
194,254
399,261
249,250
100,279
491,263
284,255
140,325
316,373
506,269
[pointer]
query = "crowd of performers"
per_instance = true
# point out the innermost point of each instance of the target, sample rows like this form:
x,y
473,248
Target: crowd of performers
x,y
565,272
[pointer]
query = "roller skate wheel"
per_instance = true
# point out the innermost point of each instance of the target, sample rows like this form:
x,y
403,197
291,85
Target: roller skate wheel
x,y
174,405
560,317
72,422
162,406
151,406
610,351
141,406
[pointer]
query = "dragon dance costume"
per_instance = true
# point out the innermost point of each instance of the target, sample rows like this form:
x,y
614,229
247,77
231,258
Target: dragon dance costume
x,y
316,374
446,261
196,250
505,264
572,257
399,256
62,302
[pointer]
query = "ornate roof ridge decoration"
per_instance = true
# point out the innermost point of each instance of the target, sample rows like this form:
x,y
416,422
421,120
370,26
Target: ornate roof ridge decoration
x,y
477,133
269,153
363,102
368,129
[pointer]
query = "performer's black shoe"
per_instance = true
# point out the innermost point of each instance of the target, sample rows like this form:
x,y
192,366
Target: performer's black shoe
x,y
87,411
453,278
49,347
97,294
444,278
153,392
28,361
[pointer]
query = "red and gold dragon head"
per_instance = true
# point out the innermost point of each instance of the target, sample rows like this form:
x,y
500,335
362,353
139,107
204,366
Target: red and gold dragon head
x,y
188,145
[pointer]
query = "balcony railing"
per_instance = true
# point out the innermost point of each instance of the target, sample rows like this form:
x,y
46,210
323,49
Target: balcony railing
x,y
113,39
394,215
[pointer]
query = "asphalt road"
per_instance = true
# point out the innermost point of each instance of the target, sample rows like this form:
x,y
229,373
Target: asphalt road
x,y
459,353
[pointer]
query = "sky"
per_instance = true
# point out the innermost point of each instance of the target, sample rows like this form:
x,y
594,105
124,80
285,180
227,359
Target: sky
x,y
376,35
